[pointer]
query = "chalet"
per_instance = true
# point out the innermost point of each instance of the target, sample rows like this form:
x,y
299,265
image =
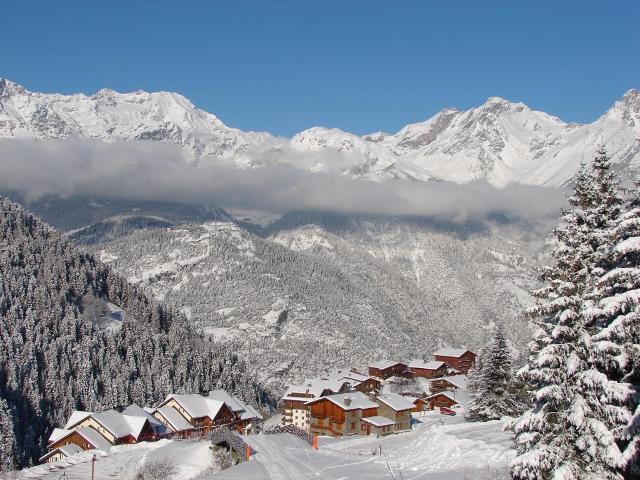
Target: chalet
x,y
377,425
357,381
248,419
74,441
397,408
201,412
115,427
159,428
418,403
60,453
294,402
450,383
441,399
173,421
388,368
459,358
433,369
340,415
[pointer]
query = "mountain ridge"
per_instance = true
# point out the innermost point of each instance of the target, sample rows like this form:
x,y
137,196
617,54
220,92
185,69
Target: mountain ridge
x,y
500,141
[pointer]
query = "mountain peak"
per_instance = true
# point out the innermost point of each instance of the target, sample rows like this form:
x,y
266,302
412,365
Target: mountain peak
x,y
8,88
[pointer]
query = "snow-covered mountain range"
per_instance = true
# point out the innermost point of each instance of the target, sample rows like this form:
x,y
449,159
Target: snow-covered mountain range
x,y
500,141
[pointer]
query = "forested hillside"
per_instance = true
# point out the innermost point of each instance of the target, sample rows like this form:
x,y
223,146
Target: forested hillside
x,y
75,335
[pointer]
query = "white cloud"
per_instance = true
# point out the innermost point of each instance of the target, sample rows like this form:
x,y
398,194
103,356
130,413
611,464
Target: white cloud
x,y
153,171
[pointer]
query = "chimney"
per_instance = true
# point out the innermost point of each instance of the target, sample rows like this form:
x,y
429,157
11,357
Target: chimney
x,y
347,401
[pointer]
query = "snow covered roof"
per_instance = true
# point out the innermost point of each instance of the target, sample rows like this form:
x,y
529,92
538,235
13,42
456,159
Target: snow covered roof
x,y
137,411
449,395
348,375
93,437
76,417
315,387
245,411
232,402
66,450
250,413
379,421
349,401
459,381
452,352
396,402
196,405
175,420
58,433
120,425
432,365
383,364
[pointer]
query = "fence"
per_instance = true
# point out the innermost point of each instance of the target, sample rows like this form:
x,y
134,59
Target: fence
x,y
293,430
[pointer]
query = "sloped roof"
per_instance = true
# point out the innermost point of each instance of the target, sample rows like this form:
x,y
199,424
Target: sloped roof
x,y
76,417
67,450
196,405
232,402
383,364
345,374
58,433
459,381
137,411
176,421
250,413
396,402
379,421
444,394
94,438
452,352
432,365
120,425
355,400
315,387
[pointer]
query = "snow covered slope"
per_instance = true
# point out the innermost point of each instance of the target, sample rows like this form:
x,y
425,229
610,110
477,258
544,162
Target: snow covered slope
x,y
500,141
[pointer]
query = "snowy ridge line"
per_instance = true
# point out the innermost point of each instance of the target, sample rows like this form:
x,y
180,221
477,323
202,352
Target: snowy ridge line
x,y
501,142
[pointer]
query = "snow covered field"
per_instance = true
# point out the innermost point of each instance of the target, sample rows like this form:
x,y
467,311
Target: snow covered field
x,y
440,448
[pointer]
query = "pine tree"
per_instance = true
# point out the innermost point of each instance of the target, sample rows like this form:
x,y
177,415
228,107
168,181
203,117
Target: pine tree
x,y
7,437
494,389
559,437
613,322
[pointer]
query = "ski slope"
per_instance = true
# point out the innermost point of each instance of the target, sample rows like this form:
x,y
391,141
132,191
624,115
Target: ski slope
x,y
453,450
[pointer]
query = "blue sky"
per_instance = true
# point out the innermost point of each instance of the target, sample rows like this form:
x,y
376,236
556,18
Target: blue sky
x,y
362,66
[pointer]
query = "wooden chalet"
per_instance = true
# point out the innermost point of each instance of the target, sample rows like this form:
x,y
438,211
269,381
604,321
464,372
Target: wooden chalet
x,y
397,408
294,407
356,380
174,422
450,383
377,425
458,358
115,427
418,403
248,419
433,369
74,441
340,415
201,412
388,368
441,399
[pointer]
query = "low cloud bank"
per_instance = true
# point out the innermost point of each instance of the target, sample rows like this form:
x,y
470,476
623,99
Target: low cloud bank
x,y
152,171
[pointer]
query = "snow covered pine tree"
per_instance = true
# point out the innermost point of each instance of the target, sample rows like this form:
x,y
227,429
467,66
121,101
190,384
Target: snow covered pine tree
x,y
493,385
613,319
562,436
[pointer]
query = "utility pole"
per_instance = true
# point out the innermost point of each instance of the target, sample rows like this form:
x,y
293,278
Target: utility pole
x,y
93,464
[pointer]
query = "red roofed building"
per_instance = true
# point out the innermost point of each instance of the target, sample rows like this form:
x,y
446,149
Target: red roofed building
x,y
459,358
388,368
